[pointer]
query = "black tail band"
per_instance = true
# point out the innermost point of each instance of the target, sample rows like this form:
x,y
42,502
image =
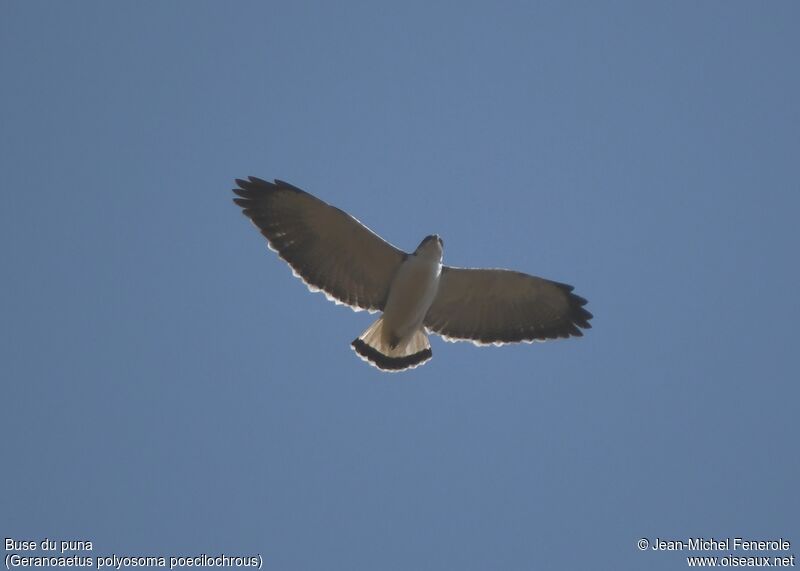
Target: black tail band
x,y
390,363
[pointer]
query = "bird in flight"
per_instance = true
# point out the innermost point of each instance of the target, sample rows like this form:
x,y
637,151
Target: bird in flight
x,y
334,253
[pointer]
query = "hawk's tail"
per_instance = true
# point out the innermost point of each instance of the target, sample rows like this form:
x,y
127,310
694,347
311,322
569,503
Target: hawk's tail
x,y
412,353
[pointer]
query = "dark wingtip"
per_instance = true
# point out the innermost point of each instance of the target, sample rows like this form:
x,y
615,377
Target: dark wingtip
x,y
253,186
390,363
578,315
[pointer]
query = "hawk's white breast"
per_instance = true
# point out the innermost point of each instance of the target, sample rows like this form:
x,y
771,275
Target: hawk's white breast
x,y
412,292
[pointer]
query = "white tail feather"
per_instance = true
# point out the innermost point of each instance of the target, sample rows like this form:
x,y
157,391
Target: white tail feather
x,y
371,347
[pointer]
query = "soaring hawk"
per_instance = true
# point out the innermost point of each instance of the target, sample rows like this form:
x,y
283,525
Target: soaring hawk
x,y
334,253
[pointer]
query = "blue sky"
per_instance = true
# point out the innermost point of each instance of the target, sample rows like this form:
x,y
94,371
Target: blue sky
x,y
169,388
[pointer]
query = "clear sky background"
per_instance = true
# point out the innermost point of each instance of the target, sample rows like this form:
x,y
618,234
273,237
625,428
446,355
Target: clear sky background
x,y
169,388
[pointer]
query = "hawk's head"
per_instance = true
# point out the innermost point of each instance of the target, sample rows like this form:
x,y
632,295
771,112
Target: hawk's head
x,y
431,246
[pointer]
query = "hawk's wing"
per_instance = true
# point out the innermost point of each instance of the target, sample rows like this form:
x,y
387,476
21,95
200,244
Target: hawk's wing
x,y
501,306
326,247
